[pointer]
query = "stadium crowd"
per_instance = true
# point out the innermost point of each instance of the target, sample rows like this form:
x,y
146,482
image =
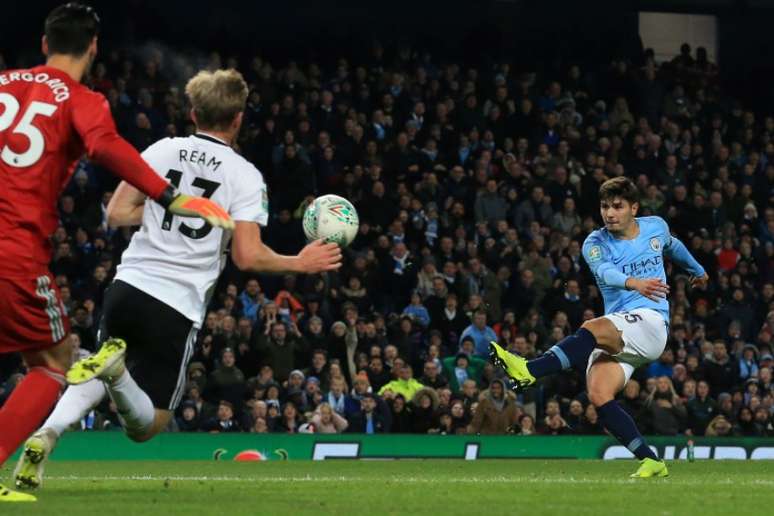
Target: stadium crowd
x,y
475,187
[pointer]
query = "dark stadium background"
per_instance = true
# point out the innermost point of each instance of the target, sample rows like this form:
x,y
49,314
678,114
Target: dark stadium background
x,y
585,32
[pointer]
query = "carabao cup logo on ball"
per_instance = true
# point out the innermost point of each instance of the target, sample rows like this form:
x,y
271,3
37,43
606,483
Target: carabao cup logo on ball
x,y
332,218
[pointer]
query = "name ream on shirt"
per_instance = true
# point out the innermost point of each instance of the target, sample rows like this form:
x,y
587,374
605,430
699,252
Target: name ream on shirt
x,y
199,158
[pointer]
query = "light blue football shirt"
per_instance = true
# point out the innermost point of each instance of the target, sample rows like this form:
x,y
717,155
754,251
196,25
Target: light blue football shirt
x,y
614,260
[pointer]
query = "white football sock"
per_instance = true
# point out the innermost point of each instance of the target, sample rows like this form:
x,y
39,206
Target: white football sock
x,y
135,408
74,404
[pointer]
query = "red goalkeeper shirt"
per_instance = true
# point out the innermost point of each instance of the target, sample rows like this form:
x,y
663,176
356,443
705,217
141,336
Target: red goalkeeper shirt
x,y
47,123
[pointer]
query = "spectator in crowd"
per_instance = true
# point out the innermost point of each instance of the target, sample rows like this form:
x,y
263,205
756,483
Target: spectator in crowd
x,y
497,413
327,421
404,384
424,411
224,420
227,382
665,408
701,409
461,367
368,420
480,333
188,421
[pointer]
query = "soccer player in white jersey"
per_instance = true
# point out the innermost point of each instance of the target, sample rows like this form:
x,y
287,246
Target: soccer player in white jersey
x,y
627,259
160,293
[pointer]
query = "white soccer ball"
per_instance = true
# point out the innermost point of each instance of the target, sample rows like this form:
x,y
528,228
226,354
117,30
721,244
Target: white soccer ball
x,y
331,218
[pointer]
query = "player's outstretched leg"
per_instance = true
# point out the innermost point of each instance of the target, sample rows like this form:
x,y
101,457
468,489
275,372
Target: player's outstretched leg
x,y
135,408
572,351
605,378
73,406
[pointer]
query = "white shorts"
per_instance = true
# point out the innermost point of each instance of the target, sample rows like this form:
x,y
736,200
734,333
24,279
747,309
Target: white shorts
x,y
644,334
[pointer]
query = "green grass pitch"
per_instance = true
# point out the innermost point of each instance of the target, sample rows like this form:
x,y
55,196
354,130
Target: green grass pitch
x,y
403,487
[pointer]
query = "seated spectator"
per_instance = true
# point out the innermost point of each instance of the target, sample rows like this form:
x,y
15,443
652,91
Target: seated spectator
x,y
290,420
745,426
748,365
404,385
424,415
337,396
719,427
556,425
701,409
188,421
665,408
401,415
417,311
574,417
224,421
460,368
481,334
663,366
720,371
764,422
227,382
280,348
377,375
204,409
497,413
469,393
256,409
252,299
260,426
432,376
368,420
526,425
327,421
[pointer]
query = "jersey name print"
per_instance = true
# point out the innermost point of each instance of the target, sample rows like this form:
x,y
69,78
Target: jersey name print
x,y
175,259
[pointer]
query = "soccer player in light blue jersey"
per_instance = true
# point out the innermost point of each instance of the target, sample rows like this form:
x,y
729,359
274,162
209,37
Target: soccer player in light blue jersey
x,y
627,259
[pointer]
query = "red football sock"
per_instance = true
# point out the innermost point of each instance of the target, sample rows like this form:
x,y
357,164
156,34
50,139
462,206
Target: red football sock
x,y
28,404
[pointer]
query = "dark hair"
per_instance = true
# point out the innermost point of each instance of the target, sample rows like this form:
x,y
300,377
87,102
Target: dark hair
x,y
70,28
621,187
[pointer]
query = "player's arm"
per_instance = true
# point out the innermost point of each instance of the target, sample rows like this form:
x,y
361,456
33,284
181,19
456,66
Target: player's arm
x,y
597,256
93,122
249,253
676,251
126,206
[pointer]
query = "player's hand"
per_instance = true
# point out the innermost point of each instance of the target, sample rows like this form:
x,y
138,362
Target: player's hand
x,y
699,281
318,256
190,206
652,288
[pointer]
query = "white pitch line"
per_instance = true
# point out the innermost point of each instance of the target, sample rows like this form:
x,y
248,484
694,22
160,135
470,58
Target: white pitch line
x,y
412,480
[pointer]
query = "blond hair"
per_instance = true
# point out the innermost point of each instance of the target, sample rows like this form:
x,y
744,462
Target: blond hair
x,y
216,97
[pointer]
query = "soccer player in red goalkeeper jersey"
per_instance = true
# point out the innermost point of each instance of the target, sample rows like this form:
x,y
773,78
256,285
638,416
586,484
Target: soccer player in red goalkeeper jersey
x,y
48,121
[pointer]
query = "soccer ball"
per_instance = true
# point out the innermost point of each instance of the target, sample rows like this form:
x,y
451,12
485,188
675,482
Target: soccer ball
x,y
331,218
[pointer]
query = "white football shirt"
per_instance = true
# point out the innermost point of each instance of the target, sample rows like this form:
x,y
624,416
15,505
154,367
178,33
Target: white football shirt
x,y
176,259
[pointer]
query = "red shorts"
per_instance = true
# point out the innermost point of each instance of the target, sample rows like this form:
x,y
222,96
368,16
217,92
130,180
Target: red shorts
x,y
32,316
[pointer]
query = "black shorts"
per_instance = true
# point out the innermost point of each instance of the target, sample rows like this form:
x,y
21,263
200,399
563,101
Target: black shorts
x,y
159,340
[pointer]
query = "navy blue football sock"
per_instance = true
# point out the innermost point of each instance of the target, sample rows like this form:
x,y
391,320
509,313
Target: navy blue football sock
x,y
572,351
622,426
